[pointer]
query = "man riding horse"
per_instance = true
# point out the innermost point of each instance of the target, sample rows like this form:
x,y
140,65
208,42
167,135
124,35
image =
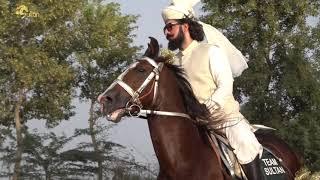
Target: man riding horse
x,y
210,68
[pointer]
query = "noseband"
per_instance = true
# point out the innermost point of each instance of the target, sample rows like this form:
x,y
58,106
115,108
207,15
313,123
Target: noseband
x,y
135,101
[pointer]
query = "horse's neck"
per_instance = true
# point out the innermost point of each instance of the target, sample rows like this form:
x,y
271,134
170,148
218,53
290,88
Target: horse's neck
x,y
170,134
176,140
169,100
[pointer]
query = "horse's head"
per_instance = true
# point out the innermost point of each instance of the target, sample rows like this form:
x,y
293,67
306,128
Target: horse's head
x,y
134,88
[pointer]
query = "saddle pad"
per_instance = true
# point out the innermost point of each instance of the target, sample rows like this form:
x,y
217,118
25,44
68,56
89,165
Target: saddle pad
x,y
271,167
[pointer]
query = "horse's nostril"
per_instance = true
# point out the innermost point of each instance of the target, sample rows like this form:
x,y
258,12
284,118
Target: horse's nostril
x,y
108,99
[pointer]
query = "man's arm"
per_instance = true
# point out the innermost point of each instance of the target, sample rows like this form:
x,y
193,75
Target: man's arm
x,y
222,76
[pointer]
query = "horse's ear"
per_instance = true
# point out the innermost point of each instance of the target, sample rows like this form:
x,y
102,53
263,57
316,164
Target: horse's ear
x,y
153,49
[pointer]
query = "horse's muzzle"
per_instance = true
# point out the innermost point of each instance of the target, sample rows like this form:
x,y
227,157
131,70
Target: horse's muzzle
x,y
111,109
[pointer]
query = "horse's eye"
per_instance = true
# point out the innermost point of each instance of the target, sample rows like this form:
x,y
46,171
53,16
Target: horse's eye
x,y
141,70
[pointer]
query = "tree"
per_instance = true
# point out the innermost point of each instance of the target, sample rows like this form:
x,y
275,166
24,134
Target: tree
x,y
36,79
47,156
281,86
112,156
122,173
41,155
6,154
102,43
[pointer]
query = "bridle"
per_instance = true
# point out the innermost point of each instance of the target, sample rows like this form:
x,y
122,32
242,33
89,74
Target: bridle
x,y
135,102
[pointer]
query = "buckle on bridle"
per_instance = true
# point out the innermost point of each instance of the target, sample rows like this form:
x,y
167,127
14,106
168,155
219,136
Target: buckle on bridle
x,y
133,109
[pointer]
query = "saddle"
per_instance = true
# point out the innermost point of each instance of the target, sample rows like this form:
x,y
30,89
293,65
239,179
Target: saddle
x,y
272,167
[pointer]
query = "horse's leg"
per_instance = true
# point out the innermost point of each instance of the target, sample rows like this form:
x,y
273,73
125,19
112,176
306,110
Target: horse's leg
x,y
282,150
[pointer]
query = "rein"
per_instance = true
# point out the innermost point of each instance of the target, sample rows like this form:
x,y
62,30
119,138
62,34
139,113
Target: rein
x,y
146,112
135,102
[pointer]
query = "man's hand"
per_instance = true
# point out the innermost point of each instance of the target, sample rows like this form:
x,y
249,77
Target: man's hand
x,y
212,105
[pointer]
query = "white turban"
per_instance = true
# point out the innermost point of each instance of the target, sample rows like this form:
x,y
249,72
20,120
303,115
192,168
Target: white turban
x,y
180,9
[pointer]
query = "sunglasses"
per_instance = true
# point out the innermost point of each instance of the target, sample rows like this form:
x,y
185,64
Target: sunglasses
x,y
169,26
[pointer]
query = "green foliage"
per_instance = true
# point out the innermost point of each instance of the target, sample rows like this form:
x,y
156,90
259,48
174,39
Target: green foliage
x,y
102,41
49,48
281,86
34,51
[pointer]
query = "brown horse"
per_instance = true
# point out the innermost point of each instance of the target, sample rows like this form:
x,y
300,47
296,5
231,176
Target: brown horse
x,y
182,151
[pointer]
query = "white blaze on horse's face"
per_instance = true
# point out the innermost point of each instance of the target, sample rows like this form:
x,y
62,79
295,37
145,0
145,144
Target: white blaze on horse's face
x,y
120,77
116,115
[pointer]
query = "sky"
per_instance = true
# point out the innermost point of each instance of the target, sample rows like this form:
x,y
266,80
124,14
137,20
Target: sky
x,y
150,22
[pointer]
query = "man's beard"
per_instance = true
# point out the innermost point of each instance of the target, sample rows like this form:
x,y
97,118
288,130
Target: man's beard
x,y
177,42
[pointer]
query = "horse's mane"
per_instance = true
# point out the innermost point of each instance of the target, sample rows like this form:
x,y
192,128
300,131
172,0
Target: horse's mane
x,y
194,108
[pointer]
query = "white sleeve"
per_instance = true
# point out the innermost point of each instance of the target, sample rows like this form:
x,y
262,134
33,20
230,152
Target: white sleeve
x,y
222,76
